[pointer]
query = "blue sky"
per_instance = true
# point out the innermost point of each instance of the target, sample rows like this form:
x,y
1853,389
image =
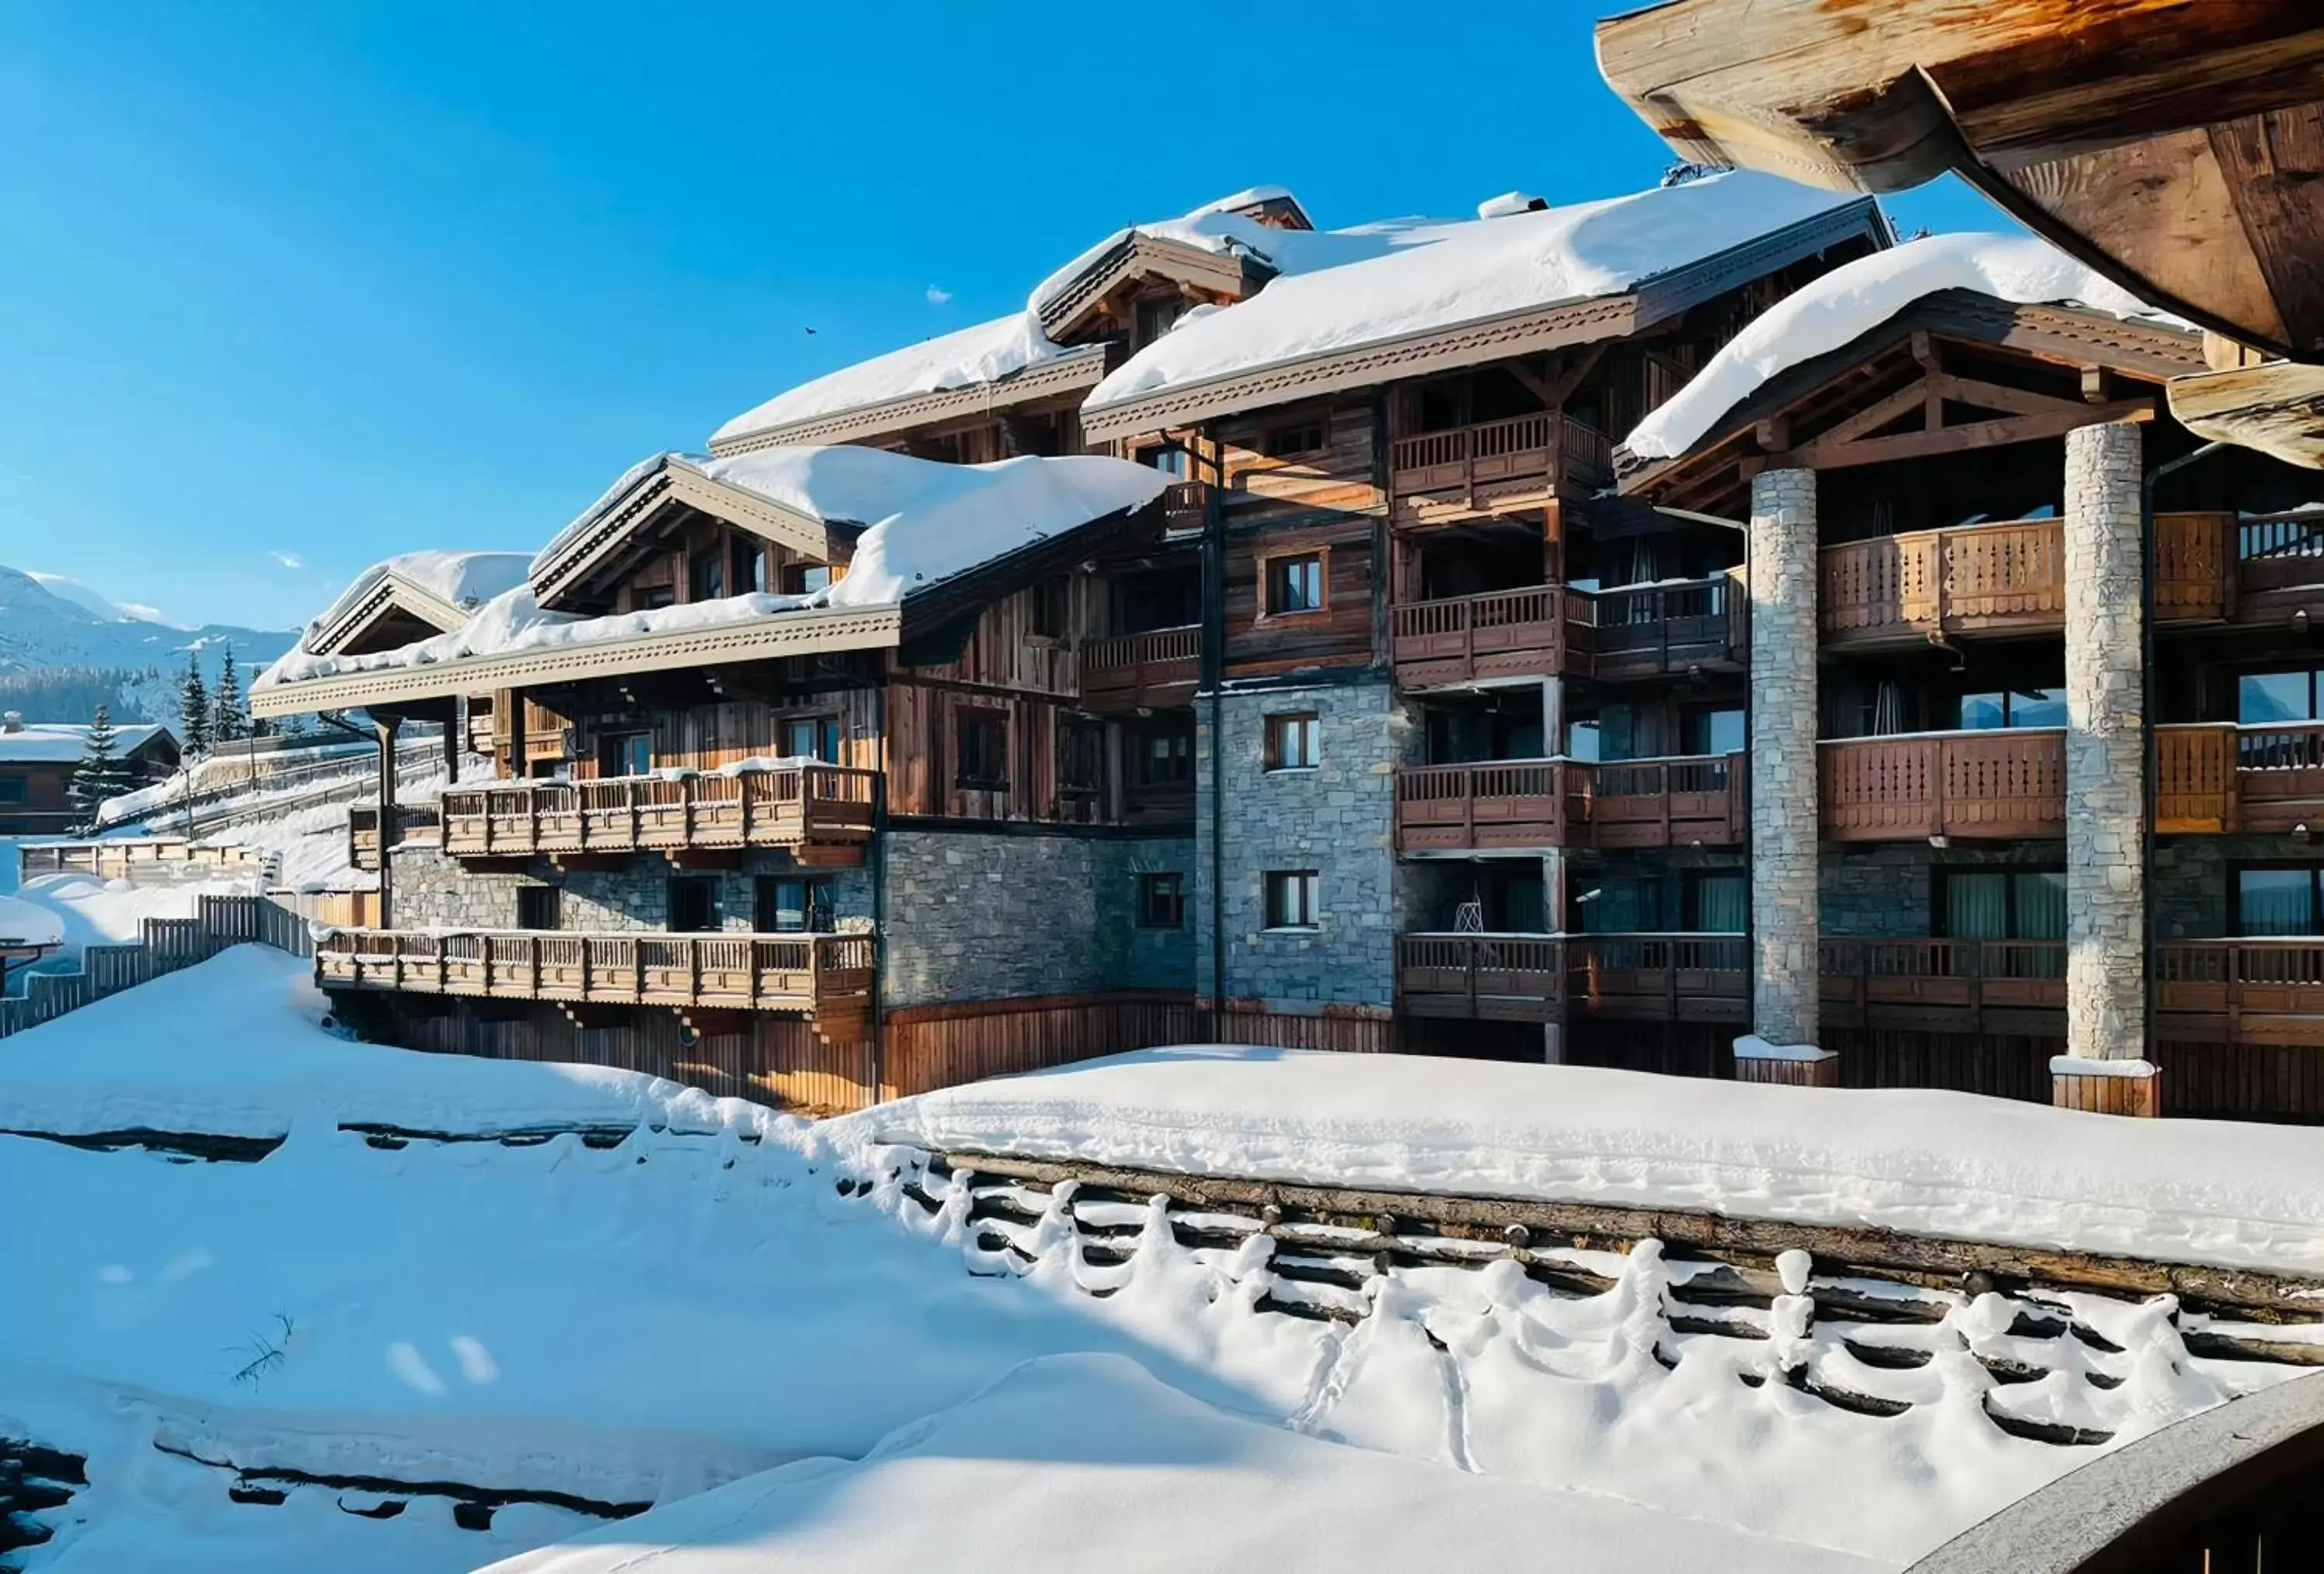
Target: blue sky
x,y
286,288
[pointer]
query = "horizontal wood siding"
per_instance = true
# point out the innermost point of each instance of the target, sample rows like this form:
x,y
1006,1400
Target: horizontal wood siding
x,y
924,724
706,737
938,1046
1327,500
1346,1033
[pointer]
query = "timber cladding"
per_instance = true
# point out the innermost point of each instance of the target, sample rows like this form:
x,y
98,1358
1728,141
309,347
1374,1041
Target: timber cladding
x,y
1303,482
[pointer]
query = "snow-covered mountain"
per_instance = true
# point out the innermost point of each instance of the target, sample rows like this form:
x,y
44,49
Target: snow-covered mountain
x,y
48,622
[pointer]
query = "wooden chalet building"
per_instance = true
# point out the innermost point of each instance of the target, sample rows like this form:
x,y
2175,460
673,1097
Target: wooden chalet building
x,y
38,759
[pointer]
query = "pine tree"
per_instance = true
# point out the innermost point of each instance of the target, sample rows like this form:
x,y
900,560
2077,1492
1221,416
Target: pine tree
x,y
194,710
101,773
227,722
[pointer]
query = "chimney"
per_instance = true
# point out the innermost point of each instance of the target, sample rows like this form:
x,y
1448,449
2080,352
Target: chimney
x,y
12,721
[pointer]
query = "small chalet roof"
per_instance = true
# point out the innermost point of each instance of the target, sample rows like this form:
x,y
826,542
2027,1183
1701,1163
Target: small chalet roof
x,y
441,590
1490,279
1827,312
925,526
64,743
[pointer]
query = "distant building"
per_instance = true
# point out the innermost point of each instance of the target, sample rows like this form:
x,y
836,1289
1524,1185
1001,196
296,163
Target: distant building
x,y
37,760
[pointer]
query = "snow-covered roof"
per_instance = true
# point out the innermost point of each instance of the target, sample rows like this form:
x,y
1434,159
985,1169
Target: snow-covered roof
x,y
1445,275
993,353
1857,297
924,521
449,586
64,743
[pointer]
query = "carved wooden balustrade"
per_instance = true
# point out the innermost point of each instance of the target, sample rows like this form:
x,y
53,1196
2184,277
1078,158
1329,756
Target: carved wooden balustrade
x,y
1186,505
2003,783
2221,777
1155,670
1472,468
1474,638
1563,802
821,813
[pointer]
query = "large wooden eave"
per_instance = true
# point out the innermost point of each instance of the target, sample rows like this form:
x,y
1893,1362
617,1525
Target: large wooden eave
x,y
1062,378
1136,257
2276,407
1485,339
2128,361
2174,145
393,594
595,551
776,635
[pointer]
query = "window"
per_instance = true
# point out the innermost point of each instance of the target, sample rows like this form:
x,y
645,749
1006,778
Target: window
x,y
692,906
1081,756
1165,754
1710,729
1169,458
1286,442
538,906
1161,901
1716,902
624,754
1291,898
805,578
1294,584
1156,318
787,904
1045,611
2277,696
811,738
646,597
2001,904
1291,742
14,789
981,745
2023,707
705,576
749,574
2283,900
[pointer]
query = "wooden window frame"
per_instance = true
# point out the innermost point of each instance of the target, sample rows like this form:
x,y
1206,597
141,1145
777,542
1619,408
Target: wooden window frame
x,y
962,719
816,719
1321,425
1154,894
2237,868
554,895
717,909
1271,757
1276,885
1143,753
607,743
1940,895
792,573
814,903
1266,587
717,556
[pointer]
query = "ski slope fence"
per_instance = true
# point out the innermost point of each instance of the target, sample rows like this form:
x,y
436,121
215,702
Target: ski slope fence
x,y
167,944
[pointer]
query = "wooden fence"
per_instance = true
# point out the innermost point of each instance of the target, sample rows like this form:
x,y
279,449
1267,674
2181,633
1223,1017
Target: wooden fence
x,y
169,858
167,944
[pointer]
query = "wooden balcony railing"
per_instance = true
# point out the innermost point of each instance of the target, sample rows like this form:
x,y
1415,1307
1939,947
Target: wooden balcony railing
x,y
1518,977
1186,505
1470,638
1662,978
1536,630
2000,784
736,973
1473,467
1559,803
1156,671
1644,631
2222,778
822,813
1945,986
2241,992
420,822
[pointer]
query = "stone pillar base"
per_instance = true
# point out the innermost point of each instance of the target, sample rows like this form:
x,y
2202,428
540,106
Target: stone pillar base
x,y
1793,1066
2106,1087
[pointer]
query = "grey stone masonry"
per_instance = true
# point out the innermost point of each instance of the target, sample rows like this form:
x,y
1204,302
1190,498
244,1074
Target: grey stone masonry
x,y
1782,573
2105,733
1337,818
436,892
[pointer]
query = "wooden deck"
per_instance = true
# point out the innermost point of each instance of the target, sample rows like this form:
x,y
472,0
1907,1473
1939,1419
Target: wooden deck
x,y
1998,784
820,813
828,976
2257,992
1538,630
1156,671
1467,472
1554,803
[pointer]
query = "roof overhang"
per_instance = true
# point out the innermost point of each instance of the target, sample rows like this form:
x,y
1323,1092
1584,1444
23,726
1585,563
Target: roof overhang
x,y
673,484
1232,273
393,594
1062,377
2175,145
1492,338
2276,407
779,634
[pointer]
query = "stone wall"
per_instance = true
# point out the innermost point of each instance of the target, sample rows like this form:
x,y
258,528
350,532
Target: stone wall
x,y
1783,572
1886,891
2194,899
434,892
2105,745
975,915
1338,818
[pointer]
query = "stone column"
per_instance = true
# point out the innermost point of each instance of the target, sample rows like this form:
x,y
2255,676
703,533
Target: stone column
x,y
1783,574
2105,749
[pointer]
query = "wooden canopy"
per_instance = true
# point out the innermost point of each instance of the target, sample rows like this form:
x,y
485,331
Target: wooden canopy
x,y
2175,145
1954,374
574,578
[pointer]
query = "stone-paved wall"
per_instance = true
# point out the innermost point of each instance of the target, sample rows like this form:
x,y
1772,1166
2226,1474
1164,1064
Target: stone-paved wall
x,y
2105,744
434,892
980,916
2193,898
1784,569
1884,891
1338,819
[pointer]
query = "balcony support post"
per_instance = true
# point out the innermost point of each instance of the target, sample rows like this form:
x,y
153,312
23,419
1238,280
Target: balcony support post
x,y
1552,919
1782,582
2106,747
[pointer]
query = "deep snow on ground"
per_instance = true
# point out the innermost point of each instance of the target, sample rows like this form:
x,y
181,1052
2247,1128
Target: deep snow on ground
x,y
698,1302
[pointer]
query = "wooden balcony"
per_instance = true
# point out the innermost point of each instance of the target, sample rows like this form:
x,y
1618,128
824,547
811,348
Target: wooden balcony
x,y
819,814
1156,671
829,976
1538,630
2005,578
1186,506
2221,777
1503,977
1998,784
2259,991
1946,986
417,823
1465,472
1559,803
1663,977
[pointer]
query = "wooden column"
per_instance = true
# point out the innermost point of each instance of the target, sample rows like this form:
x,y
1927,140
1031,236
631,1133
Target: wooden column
x,y
386,729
